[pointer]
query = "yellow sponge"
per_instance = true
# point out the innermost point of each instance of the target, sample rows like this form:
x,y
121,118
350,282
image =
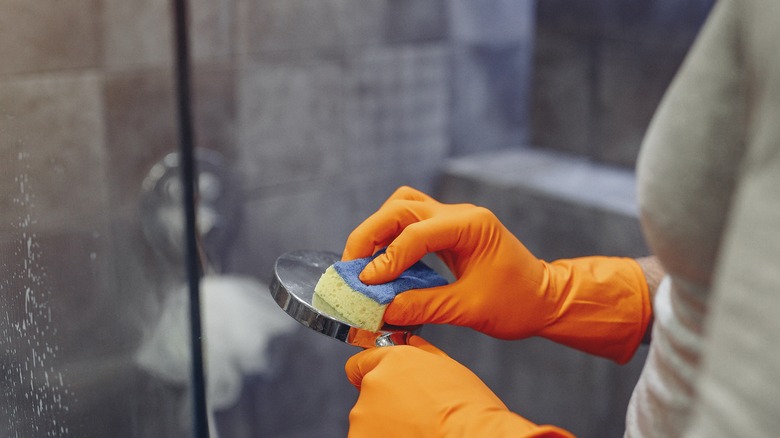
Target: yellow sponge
x,y
363,305
333,294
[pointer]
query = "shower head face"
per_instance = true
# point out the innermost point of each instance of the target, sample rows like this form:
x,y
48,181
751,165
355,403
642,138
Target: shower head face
x,y
295,275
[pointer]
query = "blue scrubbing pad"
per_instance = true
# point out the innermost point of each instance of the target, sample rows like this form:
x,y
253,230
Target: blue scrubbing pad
x,y
340,293
418,276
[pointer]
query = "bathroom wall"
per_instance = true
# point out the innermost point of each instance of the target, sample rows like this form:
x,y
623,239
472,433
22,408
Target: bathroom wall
x,y
340,102
320,107
337,104
601,68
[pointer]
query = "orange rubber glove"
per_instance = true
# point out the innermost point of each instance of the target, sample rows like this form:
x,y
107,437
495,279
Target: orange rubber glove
x,y
599,305
418,391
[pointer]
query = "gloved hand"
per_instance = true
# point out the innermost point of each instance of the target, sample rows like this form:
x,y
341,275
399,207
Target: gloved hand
x,y
418,391
596,304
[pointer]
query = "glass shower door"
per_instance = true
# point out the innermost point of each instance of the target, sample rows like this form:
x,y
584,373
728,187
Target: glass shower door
x,y
86,110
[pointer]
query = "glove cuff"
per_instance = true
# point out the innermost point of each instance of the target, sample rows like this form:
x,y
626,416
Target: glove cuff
x,y
504,423
602,305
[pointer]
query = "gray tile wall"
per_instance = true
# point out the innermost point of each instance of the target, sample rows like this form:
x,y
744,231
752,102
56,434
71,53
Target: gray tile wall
x,y
491,69
343,101
322,108
601,69
338,103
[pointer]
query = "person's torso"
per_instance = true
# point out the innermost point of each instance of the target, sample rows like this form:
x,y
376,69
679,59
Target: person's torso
x,y
686,175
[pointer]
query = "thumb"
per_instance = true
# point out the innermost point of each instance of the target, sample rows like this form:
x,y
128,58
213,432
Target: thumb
x,y
362,363
422,344
409,194
411,245
367,360
390,265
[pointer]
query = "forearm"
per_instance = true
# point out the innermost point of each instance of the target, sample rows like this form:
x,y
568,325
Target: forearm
x,y
654,273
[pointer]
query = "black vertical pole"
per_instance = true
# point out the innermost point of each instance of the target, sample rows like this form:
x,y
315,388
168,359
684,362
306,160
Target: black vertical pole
x,y
189,182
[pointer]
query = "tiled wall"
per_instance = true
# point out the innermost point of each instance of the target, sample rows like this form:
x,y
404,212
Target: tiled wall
x,y
601,68
339,102
321,107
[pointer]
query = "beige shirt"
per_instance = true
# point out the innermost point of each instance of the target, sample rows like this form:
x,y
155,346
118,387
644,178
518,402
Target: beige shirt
x,y
709,190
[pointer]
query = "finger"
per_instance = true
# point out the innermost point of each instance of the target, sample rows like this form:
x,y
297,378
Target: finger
x,y
361,244
379,229
435,305
362,363
390,265
412,244
409,194
417,341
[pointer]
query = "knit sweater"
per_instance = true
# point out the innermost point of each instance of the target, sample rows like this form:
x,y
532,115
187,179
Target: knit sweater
x,y
709,192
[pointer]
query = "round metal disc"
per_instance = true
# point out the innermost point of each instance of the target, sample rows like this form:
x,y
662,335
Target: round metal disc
x,y
295,275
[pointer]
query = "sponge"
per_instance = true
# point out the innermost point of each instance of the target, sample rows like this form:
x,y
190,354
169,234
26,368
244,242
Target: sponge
x,y
340,291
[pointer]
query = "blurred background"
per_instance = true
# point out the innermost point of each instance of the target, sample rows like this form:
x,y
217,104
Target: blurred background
x,y
308,114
